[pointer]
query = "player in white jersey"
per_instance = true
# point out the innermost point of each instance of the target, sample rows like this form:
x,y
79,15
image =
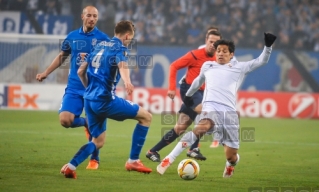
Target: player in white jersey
x,y
215,138
223,77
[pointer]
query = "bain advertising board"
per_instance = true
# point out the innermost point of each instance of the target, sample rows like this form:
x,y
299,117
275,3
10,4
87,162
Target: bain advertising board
x,y
249,104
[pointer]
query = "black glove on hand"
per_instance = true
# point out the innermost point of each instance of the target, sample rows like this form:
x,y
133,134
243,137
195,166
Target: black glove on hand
x,y
188,101
269,39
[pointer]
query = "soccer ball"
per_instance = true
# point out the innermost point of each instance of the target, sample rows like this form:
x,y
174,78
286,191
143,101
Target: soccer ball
x,y
188,169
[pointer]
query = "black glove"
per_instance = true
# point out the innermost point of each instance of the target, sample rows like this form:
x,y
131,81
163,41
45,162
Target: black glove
x,y
188,101
269,39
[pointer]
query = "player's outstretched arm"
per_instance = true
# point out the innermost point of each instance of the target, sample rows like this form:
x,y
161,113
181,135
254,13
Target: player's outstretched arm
x,y
125,75
263,57
82,73
57,62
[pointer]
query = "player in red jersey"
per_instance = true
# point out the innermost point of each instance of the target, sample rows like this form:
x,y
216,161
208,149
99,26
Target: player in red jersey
x,y
193,61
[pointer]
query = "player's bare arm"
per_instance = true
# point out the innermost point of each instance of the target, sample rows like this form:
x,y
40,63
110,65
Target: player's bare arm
x,y
82,74
125,75
57,62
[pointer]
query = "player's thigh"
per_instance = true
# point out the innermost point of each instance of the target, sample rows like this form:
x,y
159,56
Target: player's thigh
x,y
72,103
229,136
120,109
96,121
188,111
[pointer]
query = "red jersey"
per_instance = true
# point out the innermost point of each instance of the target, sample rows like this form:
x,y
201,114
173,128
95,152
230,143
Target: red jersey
x,y
193,60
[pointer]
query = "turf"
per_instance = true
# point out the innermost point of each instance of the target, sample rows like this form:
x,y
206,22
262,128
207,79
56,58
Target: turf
x,y
34,147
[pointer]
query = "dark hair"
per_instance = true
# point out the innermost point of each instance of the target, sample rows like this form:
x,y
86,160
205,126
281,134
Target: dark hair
x,y
216,33
230,44
123,27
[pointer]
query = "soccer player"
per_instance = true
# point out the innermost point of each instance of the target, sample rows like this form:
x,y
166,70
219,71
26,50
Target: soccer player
x,y
223,78
78,44
193,60
106,65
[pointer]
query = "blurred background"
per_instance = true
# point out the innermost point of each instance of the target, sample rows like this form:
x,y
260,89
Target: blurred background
x,y
31,32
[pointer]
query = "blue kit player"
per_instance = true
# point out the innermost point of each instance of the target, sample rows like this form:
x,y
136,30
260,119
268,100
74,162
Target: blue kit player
x,y
100,75
79,43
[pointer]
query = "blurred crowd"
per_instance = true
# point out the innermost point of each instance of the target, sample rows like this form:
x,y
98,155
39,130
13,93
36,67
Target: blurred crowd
x,y
184,22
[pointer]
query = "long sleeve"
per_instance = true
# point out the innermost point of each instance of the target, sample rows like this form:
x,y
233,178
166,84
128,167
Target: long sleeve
x,y
180,63
199,80
259,61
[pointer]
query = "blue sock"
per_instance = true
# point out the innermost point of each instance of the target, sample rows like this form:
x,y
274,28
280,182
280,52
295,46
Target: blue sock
x,y
138,140
78,122
95,154
83,153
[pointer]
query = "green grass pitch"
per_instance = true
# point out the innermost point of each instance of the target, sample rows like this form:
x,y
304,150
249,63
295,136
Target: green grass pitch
x,y
33,148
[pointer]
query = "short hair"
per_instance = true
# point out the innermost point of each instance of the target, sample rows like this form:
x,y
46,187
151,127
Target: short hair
x,y
212,28
123,27
230,44
216,33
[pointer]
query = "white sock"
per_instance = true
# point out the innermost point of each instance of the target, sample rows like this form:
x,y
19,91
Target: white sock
x,y
131,160
72,167
186,141
233,164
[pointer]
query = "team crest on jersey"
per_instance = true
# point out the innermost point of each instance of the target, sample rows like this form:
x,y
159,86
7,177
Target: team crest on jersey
x,y
94,41
81,57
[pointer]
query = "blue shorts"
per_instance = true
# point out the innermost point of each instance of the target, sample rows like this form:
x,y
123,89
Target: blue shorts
x,y
197,98
97,113
72,103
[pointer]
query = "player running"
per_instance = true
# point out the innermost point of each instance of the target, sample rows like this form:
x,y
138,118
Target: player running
x,y
106,65
78,44
223,77
193,60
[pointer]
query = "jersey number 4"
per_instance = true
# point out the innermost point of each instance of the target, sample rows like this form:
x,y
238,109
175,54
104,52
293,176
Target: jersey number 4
x,y
96,61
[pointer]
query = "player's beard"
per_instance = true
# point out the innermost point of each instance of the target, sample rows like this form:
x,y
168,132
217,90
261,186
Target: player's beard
x,y
211,53
90,27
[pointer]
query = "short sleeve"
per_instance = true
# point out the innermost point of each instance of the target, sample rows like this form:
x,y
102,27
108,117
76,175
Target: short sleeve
x,y
122,56
66,45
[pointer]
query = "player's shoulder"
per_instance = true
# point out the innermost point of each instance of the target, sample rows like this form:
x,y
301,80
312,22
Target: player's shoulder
x,y
101,34
208,65
196,53
73,33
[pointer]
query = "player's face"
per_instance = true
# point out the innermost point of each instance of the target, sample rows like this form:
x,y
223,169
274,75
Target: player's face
x,y
210,40
223,55
128,39
89,18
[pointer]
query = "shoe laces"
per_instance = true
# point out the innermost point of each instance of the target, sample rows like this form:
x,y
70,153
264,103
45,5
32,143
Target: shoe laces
x,y
165,162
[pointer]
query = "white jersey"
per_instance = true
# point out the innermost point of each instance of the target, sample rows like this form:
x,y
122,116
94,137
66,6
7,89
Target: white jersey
x,y
201,46
223,81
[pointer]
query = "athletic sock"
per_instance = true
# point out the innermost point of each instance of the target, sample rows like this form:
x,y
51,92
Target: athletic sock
x,y
138,140
168,138
195,145
187,140
78,122
83,153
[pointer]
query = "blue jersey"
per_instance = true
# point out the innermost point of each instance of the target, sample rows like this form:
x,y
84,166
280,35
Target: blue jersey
x,y
79,44
103,72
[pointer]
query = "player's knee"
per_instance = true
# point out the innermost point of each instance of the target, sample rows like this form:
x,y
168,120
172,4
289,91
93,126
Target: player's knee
x,y
146,120
65,122
180,129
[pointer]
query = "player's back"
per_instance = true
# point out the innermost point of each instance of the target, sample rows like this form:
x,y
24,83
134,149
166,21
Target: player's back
x,y
103,72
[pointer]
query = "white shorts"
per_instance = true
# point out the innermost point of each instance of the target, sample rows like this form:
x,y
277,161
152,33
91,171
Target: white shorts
x,y
225,118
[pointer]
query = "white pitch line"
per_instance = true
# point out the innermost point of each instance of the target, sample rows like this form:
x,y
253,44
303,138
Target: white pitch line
x,y
71,133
